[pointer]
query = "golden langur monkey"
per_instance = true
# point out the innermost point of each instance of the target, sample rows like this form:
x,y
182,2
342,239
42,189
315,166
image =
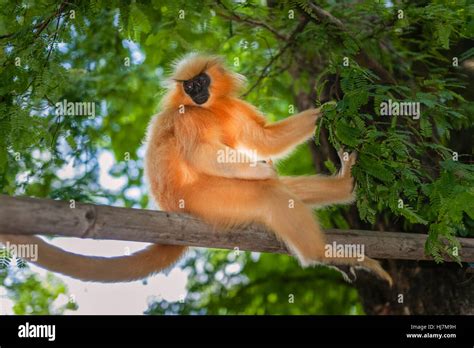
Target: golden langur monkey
x,y
201,120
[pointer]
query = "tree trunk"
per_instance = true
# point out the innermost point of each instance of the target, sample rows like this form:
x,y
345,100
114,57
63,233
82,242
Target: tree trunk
x,y
422,287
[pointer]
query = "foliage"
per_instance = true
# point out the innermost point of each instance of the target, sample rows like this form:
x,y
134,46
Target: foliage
x,y
406,168
242,283
32,295
407,171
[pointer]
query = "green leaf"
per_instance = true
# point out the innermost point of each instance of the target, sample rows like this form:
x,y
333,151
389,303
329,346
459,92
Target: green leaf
x,y
347,134
376,168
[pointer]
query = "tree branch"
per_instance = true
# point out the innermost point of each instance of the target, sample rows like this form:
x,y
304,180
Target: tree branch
x,y
266,69
23,215
40,26
237,18
362,58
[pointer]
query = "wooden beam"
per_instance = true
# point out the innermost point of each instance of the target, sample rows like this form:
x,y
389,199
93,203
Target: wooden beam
x,y
23,215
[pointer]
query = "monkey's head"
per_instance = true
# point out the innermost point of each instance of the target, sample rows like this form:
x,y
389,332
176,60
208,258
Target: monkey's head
x,y
201,79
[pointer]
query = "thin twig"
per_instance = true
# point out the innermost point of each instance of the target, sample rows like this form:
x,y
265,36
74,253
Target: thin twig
x,y
40,26
238,18
253,22
265,70
362,57
55,33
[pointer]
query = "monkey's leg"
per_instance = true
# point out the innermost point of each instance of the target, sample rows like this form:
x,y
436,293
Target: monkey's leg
x,y
295,224
318,190
227,202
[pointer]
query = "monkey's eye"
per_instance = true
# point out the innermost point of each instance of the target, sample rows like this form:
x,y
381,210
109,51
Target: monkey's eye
x,y
188,86
204,79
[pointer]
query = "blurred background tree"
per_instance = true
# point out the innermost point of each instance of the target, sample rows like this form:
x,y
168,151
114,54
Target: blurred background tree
x,y
296,54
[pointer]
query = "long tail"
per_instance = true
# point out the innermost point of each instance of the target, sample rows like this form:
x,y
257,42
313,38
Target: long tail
x,y
152,259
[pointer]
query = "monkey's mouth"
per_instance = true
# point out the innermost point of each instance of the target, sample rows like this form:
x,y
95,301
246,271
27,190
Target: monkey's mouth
x,y
201,98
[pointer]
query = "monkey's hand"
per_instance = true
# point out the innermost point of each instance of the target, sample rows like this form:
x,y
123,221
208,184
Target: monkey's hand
x,y
269,161
313,114
347,161
262,170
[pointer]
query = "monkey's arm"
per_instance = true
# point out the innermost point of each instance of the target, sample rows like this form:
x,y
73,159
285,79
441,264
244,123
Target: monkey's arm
x,y
223,161
279,138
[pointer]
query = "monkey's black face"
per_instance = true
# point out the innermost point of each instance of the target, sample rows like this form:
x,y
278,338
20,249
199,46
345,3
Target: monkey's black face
x,y
198,88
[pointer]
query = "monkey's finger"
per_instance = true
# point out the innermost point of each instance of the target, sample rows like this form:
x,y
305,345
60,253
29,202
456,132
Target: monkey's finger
x,y
340,153
347,161
352,158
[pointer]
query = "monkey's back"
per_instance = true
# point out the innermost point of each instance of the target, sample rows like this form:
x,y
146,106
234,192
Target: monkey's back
x,y
170,135
162,161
